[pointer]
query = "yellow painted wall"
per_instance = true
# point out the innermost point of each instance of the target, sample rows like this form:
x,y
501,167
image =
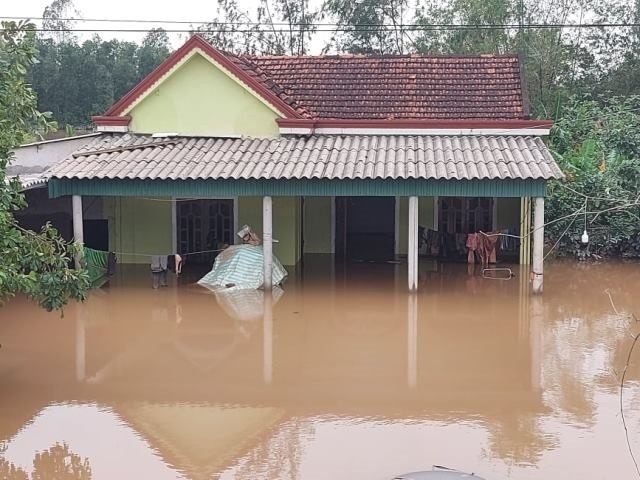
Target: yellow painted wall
x,y
286,224
317,224
138,226
200,99
425,219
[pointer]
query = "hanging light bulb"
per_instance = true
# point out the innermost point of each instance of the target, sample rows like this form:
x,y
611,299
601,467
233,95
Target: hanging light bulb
x,y
585,237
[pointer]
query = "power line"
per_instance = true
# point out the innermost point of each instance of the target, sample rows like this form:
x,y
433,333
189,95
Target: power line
x,y
327,27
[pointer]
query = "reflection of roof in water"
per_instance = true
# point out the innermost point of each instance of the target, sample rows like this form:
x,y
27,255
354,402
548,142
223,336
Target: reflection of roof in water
x,y
200,440
17,415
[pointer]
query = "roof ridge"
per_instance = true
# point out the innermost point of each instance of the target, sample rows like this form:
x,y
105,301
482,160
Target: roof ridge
x,y
513,55
269,82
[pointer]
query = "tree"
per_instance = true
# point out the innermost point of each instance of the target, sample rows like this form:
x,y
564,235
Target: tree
x,y
76,81
154,49
60,463
276,27
57,463
368,26
8,471
55,19
35,264
597,146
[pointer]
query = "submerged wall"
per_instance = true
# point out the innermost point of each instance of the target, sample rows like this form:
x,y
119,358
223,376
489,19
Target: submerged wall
x,y
508,213
145,226
286,225
139,226
317,224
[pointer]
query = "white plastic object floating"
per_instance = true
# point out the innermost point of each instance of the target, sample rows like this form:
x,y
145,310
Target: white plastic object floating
x,y
585,237
438,473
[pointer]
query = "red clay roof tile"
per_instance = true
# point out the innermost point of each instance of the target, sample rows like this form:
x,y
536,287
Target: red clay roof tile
x,y
415,87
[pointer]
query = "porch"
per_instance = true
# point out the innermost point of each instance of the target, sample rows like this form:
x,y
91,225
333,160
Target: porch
x,y
358,198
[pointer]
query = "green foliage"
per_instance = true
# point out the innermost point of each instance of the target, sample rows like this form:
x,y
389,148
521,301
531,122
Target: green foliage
x,y
36,264
597,145
260,31
76,81
57,463
368,26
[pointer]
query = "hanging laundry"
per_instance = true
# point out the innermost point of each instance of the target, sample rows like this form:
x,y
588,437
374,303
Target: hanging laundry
x,y
461,239
174,263
99,265
508,241
433,241
178,262
472,246
487,247
160,264
159,270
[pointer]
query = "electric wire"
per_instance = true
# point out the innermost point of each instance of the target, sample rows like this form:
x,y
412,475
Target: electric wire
x,y
249,26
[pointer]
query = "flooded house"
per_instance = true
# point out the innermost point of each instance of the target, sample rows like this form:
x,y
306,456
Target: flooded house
x,y
364,158
30,164
357,159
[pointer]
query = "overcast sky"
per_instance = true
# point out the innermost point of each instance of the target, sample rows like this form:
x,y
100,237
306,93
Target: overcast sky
x,y
182,10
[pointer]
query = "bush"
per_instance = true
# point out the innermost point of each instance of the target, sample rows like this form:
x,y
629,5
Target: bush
x,y
597,145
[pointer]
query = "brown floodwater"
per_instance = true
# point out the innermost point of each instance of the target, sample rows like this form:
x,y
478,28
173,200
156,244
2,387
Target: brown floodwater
x,y
340,376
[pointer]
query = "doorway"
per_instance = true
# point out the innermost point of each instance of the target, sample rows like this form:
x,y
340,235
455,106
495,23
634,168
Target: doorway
x,y
465,214
365,228
458,217
204,226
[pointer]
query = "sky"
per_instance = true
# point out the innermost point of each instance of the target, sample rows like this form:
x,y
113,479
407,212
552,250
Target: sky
x,y
183,10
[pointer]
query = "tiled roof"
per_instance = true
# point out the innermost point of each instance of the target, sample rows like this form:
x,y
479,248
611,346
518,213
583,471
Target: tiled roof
x,y
401,86
29,177
127,156
35,180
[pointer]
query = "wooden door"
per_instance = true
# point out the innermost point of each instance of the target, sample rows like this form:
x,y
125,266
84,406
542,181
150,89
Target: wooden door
x,y
204,226
465,214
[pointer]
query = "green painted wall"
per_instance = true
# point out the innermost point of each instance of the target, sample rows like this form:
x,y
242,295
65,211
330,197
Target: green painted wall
x,y
286,224
200,99
317,224
138,226
508,213
425,219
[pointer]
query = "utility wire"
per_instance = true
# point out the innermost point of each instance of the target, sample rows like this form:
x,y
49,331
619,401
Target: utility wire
x,y
404,26
361,28
324,24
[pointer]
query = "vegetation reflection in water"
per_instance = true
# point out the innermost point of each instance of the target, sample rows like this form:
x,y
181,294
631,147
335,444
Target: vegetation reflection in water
x,y
342,375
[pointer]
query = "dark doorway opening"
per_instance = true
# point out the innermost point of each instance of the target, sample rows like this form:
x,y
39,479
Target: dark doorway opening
x,y
96,234
204,226
459,216
365,228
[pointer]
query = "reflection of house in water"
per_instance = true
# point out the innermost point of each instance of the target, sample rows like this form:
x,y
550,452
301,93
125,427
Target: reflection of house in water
x,y
205,390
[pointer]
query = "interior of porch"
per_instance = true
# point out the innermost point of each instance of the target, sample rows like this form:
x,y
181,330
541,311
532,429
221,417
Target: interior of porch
x,y
350,229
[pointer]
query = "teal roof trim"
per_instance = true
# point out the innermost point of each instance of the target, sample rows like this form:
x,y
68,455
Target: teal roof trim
x,y
297,187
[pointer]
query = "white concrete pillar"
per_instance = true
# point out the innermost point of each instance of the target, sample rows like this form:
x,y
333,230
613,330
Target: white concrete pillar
x,y
267,338
267,242
412,341
538,244
412,252
81,345
396,227
536,342
78,232
174,226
